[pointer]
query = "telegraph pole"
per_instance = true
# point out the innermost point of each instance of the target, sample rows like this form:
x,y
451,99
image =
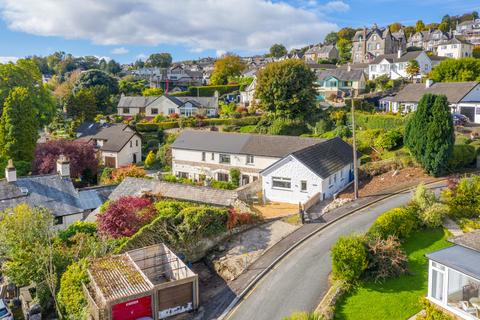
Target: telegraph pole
x,y
355,164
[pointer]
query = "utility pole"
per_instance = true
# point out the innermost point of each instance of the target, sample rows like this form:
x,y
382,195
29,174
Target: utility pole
x,y
355,164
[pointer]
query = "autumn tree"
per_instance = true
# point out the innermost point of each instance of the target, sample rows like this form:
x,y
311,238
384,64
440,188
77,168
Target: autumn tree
x,y
346,33
394,27
419,26
159,60
331,38
152,92
286,89
278,50
413,68
228,66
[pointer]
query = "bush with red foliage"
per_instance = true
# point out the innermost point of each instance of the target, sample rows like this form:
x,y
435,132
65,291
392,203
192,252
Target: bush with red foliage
x,y
125,216
236,219
173,115
81,155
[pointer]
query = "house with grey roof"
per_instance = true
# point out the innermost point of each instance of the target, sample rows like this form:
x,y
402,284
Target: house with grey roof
x,y
463,97
117,144
469,30
54,192
340,83
428,39
455,48
454,277
150,107
321,52
395,65
211,155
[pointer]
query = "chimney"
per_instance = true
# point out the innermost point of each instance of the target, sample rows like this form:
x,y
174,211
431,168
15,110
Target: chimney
x,y
428,83
349,67
63,166
10,172
399,53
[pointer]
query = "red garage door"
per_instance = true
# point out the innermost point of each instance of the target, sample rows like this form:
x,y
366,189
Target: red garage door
x,y
133,309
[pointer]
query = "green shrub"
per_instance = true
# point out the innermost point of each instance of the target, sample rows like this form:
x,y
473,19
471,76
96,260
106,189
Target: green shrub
x,y
322,126
169,177
342,132
89,228
222,185
464,199
70,296
287,127
462,139
106,175
398,222
248,129
389,140
433,216
423,197
209,91
378,121
462,156
235,176
349,258
231,128
152,144
432,312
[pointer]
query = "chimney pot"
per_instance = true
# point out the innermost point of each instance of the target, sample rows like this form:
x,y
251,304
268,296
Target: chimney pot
x,y
399,53
63,166
10,172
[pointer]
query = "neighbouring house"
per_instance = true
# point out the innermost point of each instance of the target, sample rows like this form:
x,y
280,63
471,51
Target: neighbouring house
x,y
322,169
455,48
117,144
146,283
340,83
54,192
428,40
394,65
247,96
370,43
186,106
321,52
177,76
454,277
470,30
463,97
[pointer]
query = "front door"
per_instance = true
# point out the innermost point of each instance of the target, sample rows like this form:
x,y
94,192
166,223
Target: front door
x,y
134,158
110,162
245,179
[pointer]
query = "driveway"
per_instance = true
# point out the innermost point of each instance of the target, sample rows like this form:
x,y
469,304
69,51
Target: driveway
x,y
299,281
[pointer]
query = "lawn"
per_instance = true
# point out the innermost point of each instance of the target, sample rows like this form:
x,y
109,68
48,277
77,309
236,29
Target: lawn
x,y
396,298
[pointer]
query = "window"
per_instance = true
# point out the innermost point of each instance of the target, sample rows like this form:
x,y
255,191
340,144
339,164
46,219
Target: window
x,y
437,285
58,220
222,176
224,158
204,156
335,178
154,111
303,185
136,143
330,181
341,174
281,183
126,110
213,156
171,110
377,46
183,175
250,159
131,144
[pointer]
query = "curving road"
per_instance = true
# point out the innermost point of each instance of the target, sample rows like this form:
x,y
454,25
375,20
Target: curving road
x,y
299,281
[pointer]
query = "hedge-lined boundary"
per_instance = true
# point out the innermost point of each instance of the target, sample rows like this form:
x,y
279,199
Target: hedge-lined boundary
x,y
150,127
209,91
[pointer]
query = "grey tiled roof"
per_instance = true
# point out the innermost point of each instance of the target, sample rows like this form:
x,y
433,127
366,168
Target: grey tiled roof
x,y
326,158
49,191
116,136
135,101
252,144
136,186
341,74
469,240
92,198
454,91
393,57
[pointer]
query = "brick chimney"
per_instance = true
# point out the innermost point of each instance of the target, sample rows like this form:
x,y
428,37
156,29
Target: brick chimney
x,y
10,172
63,166
399,53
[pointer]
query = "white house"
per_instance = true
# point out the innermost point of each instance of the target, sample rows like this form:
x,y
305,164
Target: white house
x,y
394,65
129,106
463,97
454,277
117,144
247,96
455,48
324,168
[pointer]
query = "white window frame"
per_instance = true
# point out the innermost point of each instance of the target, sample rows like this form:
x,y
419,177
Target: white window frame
x,y
204,156
250,159
302,183
224,156
281,180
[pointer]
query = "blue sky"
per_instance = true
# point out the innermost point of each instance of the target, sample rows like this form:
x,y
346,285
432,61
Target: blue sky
x,y
129,29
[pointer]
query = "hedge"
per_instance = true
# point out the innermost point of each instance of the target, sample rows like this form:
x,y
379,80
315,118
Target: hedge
x,y
152,127
398,222
462,156
209,91
378,121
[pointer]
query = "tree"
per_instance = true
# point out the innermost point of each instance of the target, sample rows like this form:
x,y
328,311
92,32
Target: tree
x,y
131,87
125,216
113,67
81,155
101,84
394,27
419,26
18,126
286,89
331,38
455,70
429,134
413,68
70,296
152,92
159,60
346,33
81,105
228,66
278,50
344,47
409,30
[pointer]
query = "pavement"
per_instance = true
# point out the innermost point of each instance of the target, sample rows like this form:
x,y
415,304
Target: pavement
x,y
300,279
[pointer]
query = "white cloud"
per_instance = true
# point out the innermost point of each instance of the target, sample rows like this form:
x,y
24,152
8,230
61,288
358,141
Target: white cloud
x,y
120,50
220,52
338,6
141,56
251,25
8,59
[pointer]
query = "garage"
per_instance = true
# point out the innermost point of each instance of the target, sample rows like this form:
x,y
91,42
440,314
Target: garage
x,y
175,300
133,309
469,112
110,162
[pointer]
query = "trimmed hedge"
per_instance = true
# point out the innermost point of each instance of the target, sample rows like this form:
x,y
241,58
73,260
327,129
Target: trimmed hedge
x,y
209,91
462,156
152,127
378,121
398,222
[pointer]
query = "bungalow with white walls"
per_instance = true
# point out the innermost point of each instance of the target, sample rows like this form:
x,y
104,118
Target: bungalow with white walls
x,y
118,144
324,168
150,107
454,277
394,65
463,97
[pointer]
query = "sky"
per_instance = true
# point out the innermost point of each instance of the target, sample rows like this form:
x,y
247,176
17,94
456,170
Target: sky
x,y
127,30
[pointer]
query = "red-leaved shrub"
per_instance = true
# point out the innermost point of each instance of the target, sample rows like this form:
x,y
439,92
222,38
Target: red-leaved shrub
x,y
125,216
236,219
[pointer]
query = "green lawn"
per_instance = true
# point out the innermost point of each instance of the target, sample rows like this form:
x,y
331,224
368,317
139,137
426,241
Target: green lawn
x,y
247,129
396,298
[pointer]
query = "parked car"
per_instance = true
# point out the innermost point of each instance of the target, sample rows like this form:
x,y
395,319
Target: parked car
x,y
460,119
5,313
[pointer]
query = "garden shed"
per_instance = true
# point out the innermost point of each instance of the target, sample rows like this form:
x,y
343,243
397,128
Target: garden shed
x,y
150,282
